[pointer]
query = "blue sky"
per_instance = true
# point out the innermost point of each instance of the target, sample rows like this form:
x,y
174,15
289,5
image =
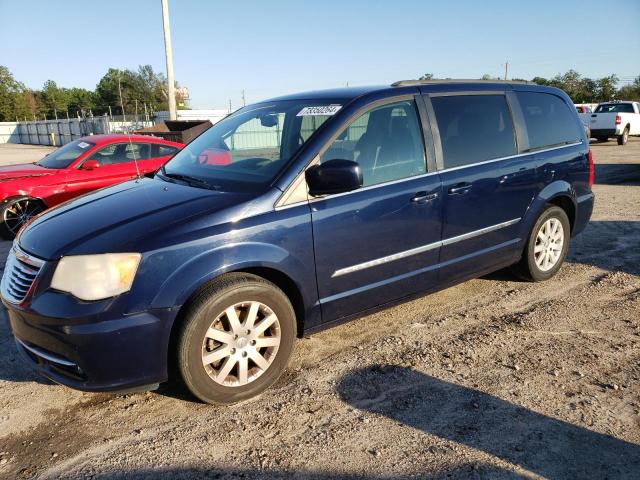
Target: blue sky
x,y
273,47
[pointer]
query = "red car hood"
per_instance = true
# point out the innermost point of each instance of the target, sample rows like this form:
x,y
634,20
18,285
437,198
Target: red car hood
x,y
11,172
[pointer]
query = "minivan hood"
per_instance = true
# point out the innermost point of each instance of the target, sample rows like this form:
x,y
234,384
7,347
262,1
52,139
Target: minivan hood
x,y
120,218
12,172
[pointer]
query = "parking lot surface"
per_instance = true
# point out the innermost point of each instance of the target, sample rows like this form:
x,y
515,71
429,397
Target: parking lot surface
x,y
493,378
11,153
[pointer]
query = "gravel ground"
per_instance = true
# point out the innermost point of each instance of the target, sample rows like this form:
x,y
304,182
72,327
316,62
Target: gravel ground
x,y
493,378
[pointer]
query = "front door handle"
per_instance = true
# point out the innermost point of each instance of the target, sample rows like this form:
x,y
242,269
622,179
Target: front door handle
x,y
424,197
460,189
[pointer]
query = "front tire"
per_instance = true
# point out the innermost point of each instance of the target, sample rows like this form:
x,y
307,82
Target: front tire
x,y
546,246
15,213
236,340
624,138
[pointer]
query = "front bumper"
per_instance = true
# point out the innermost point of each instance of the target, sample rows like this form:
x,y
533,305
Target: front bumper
x,y
122,354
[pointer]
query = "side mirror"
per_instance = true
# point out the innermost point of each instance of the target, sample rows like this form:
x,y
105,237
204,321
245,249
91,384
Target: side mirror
x,y
334,176
90,165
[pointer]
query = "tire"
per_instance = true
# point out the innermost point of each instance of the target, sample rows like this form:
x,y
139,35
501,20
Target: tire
x,y
602,139
208,333
534,268
15,212
624,138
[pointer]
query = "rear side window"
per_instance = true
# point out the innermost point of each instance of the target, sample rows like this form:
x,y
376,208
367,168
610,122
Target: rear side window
x,y
163,150
474,128
548,119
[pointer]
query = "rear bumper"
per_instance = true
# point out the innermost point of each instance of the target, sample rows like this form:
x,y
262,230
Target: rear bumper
x,y
584,209
605,132
123,354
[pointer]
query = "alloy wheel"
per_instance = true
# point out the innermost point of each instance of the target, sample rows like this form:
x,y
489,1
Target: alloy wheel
x,y
18,213
549,244
241,344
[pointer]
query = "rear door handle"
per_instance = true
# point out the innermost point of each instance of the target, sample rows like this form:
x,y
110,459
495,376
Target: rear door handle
x,y
424,197
460,189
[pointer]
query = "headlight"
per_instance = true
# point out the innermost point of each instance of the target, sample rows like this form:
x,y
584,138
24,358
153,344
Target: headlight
x,y
94,277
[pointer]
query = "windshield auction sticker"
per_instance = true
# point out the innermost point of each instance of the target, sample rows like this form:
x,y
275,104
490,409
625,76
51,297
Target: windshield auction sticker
x,y
317,111
83,145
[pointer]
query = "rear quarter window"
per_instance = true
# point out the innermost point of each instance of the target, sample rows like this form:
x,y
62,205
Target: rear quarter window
x,y
549,120
163,150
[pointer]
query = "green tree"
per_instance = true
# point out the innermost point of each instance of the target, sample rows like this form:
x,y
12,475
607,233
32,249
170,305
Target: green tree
x,y
426,76
80,101
143,86
14,98
53,99
630,92
606,88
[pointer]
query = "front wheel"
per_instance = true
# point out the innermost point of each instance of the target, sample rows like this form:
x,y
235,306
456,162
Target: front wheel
x,y
15,213
236,340
624,138
546,247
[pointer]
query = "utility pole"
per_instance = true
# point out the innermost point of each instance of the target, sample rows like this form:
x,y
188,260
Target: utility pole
x,y
229,105
506,69
124,117
136,109
169,56
244,100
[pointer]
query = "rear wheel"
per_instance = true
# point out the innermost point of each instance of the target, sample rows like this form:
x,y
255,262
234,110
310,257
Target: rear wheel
x,y
624,138
236,340
15,213
546,247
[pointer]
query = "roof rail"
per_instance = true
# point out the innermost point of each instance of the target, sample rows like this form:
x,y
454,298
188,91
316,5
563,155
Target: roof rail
x,y
406,83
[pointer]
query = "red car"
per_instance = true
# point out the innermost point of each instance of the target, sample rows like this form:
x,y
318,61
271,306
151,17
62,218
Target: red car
x,y
76,168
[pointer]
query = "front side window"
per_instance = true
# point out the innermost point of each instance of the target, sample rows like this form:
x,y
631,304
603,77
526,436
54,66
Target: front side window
x,y
66,155
247,150
122,153
548,119
474,128
385,141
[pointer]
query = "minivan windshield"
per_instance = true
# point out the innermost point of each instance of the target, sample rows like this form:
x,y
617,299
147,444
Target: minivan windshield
x,y
614,108
66,155
247,150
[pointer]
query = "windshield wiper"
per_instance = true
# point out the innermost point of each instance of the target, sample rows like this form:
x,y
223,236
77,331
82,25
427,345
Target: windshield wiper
x,y
192,181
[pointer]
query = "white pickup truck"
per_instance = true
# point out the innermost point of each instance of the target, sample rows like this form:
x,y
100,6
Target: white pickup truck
x,y
615,119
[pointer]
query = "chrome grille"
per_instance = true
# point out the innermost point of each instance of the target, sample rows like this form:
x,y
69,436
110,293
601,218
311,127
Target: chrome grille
x,y
20,273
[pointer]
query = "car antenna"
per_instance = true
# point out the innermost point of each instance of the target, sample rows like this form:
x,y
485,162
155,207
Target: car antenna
x,y
133,150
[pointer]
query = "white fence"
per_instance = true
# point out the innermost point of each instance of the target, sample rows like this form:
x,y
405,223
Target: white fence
x,y
60,132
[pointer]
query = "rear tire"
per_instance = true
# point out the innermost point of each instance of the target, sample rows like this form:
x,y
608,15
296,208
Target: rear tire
x,y
546,246
225,353
624,138
15,213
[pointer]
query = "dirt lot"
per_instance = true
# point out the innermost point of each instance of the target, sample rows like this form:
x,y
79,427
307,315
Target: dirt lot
x,y
494,378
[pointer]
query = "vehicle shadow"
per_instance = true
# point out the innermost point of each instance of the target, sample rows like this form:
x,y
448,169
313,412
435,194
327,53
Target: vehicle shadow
x,y
540,444
465,471
12,367
617,173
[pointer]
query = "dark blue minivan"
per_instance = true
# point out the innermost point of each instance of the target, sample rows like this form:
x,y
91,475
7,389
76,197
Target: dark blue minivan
x,y
291,215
